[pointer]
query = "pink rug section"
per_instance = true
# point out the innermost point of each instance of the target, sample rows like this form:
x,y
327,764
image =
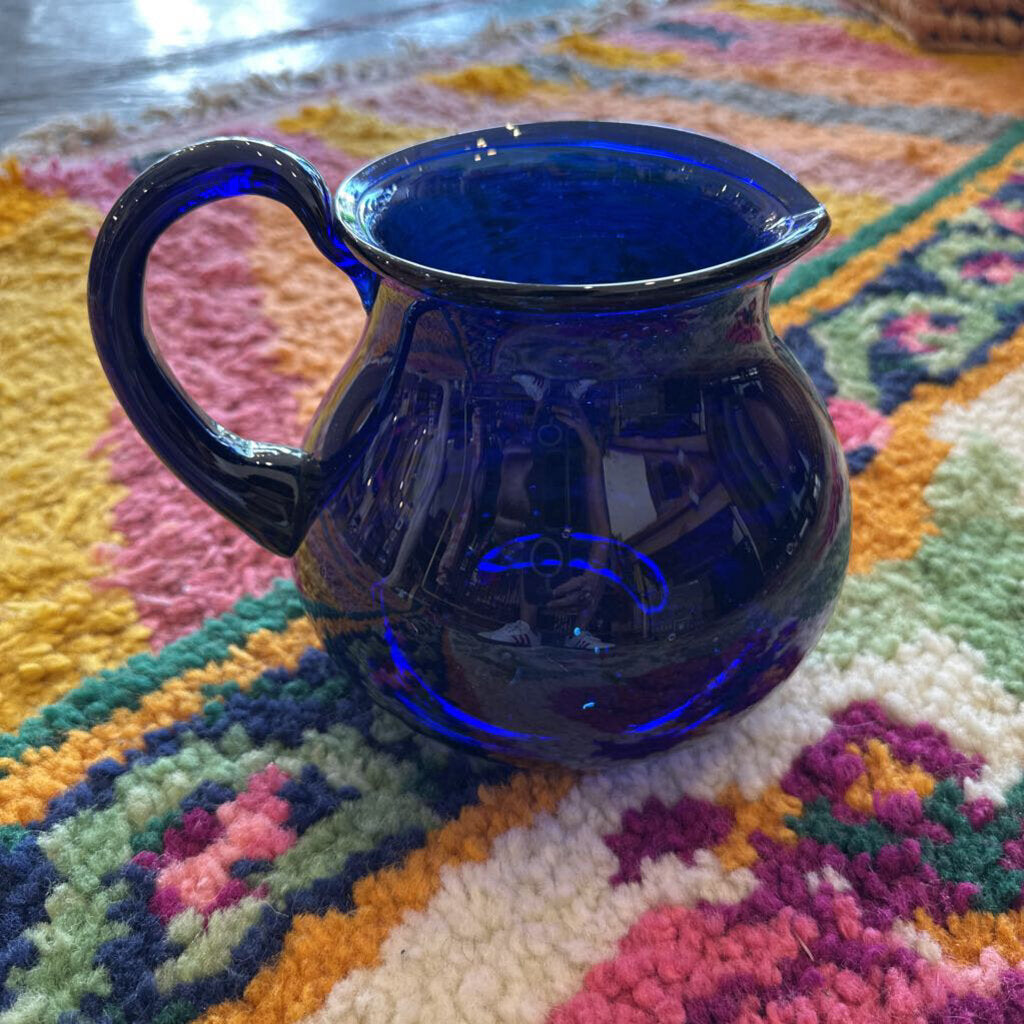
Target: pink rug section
x,y
682,966
858,424
195,869
772,43
98,184
181,561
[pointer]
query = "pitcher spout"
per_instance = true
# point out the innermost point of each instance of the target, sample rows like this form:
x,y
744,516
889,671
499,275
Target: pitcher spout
x,y
577,216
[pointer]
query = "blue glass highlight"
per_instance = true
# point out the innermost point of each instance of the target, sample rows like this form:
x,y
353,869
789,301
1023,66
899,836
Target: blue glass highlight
x,y
675,713
571,500
492,562
406,672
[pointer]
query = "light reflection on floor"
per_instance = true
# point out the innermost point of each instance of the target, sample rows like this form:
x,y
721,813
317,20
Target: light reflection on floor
x,y
67,57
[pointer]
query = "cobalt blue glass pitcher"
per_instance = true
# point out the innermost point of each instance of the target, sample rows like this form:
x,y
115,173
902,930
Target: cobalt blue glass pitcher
x,y
571,499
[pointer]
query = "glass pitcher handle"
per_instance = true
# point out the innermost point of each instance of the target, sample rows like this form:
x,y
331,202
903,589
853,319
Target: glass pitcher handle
x,y
271,491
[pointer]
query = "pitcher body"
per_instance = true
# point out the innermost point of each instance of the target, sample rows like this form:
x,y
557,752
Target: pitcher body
x,y
571,500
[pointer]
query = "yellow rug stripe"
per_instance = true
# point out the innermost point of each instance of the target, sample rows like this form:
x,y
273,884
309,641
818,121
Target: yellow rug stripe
x,y
615,55
888,529
355,133
20,203
842,285
848,212
41,774
965,937
55,500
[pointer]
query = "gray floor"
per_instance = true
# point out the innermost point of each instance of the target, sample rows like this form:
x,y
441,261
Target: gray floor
x,y
60,57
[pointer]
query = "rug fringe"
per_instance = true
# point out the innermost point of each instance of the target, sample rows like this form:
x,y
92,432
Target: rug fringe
x,y
85,134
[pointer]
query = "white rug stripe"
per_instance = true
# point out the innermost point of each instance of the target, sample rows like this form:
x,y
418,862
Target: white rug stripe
x,y
507,939
995,414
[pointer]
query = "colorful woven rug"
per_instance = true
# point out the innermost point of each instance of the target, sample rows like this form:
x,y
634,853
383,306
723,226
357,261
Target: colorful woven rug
x,y
201,819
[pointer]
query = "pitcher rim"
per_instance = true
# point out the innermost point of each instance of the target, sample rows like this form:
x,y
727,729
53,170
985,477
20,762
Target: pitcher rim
x,y
808,220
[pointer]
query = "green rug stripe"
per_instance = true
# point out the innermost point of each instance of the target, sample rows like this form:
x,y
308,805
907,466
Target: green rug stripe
x,y
96,697
805,277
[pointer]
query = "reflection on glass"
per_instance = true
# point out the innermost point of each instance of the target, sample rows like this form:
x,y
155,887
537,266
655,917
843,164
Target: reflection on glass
x,y
634,554
601,511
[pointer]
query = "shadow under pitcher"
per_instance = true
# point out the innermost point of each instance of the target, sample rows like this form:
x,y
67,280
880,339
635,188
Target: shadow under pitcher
x,y
571,499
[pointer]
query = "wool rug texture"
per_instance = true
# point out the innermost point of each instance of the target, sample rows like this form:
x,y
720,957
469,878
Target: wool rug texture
x,y
201,819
